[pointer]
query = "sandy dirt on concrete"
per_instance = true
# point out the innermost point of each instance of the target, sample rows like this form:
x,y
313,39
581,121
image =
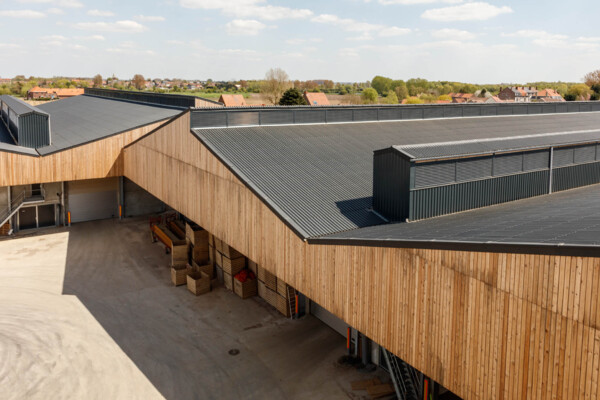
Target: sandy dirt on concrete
x,y
89,313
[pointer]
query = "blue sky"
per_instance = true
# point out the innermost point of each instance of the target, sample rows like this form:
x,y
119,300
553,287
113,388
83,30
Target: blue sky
x,y
493,41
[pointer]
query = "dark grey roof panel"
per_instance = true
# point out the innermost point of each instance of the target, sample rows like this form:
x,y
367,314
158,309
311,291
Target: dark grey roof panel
x,y
19,106
320,177
489,146
569,218
82,119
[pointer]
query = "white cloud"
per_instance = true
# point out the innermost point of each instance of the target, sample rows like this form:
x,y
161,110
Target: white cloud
x,y
21,14
9,46
118,26
413,2
100,13
55,11
175,42
241,27
56,3
365,29
452,34
91,37
348,52
53,37
541,38
258,9
295,41
477,11
592,39
149,18
393,31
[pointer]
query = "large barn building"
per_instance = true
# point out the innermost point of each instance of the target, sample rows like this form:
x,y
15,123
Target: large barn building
x,y
458,242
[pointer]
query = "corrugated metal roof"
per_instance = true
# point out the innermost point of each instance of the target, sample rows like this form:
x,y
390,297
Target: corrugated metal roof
x,y
490,146
19,106
82,119
319,178
569,218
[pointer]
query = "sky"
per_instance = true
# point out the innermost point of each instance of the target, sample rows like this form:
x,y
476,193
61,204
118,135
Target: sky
x,y
487,41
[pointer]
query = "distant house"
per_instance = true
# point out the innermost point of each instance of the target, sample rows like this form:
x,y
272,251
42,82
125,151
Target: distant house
x,y
460,97
523,94
52,93
549,95
316,99
5,81
232,100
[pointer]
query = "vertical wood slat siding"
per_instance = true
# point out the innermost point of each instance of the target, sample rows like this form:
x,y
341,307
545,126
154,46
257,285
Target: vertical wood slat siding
x,y
98,159
485,325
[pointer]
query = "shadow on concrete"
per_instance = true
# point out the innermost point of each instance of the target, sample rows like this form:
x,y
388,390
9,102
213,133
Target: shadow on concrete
x,y
180,342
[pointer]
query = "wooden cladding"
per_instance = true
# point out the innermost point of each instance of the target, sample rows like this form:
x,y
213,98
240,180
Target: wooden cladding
x,y
484,325
98,159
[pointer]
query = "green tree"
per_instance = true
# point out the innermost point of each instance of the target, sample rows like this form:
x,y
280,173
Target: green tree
x,y
275,84
445,97
97,80
581,91
369,96
390,98
381,84
292,97
414,100
401,92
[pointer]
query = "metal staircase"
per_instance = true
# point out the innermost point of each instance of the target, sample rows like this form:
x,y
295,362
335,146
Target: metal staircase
x,y
24,198
407,381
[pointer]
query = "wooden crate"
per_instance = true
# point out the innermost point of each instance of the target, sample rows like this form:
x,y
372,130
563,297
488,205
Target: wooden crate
x,y
218,245
211,255
179,275
229,251
228,280
269,295
197,236
245,289
199,255
179,254
281,303
211,239
268,278
198,283
177,228
282,288
252,266
233,266
208,269
219,259
220,277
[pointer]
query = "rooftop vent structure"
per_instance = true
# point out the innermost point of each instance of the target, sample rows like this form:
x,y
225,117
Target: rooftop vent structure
x,y
29,126
422,181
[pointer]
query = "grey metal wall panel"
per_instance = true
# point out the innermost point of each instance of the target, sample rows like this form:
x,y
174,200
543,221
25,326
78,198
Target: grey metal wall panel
x,y
391,185
549,108
390,113
505,110
412,113
435,201
366,114
536,160
534,109
242,118
562,107
489,110
339,115
469,111
146,97
506,164
584,154
310,116
277,117
434,174
562,157
204,120
433,112
575,176
452,111
473,168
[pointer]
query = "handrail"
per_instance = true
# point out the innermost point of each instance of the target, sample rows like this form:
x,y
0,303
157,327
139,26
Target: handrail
x,y
19,200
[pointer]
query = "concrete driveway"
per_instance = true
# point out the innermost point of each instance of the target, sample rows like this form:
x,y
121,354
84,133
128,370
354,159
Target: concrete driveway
x,y
89,312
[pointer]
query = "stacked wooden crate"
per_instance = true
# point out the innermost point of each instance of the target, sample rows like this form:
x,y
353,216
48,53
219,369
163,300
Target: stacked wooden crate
x,y
273,290
229,262
198,242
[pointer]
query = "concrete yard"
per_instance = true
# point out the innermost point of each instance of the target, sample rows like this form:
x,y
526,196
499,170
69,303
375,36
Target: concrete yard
x,y
90,312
